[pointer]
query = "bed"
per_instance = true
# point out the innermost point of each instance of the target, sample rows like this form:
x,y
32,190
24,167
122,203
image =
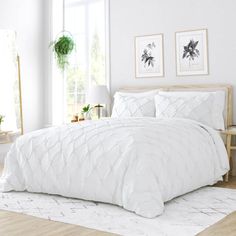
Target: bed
x,y
138,163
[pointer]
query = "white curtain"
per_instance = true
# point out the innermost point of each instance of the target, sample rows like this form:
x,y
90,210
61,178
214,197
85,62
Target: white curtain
x,y
8,78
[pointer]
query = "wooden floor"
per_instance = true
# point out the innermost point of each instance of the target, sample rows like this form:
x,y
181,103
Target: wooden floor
x,y
224,227
230,184
15,224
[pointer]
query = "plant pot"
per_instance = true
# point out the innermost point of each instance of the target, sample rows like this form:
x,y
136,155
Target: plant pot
x,y
87,116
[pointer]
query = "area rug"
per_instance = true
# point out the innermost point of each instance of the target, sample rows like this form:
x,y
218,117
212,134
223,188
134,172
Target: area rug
x,y
185,215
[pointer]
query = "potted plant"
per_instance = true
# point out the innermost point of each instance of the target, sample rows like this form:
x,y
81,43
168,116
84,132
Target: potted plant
x,y
86,112
63,47
1,121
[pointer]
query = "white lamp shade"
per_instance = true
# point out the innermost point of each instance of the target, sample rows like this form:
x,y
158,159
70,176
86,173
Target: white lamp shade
x,y
98,95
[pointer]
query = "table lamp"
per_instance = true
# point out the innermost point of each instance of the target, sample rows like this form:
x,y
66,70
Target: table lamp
x,y
98,95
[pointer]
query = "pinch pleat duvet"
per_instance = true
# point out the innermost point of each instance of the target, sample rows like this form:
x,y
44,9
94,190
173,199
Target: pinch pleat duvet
x,y
136,163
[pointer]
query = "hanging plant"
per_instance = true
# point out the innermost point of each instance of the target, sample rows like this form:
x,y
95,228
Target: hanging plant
x,y
62,48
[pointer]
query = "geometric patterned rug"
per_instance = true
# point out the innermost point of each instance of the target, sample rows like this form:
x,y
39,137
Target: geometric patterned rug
x,y
185,215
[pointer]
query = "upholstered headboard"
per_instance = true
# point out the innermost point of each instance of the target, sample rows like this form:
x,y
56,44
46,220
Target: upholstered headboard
x,y
228,111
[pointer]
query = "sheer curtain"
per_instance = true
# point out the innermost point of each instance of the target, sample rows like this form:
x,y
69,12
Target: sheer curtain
x,y
8,75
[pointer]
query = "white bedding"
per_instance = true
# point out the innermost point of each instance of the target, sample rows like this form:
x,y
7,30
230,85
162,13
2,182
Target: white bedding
x,y
136,163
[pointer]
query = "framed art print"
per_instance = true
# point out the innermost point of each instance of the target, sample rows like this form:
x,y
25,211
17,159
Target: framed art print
x,y
149,56
191,52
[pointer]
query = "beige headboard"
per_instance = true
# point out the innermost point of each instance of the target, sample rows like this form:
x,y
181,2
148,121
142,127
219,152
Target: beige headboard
x,y
228,112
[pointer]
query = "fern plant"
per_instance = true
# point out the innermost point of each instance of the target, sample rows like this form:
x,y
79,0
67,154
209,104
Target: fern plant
x,y
62,48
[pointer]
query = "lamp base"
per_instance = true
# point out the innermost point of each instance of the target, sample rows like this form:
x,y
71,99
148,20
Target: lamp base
x,y
99,107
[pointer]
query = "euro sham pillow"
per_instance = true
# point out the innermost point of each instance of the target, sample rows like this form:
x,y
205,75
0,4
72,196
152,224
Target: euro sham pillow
x,y
134,104
204,107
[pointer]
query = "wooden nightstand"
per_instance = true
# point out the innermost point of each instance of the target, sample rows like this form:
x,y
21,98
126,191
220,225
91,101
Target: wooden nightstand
x,y
231,131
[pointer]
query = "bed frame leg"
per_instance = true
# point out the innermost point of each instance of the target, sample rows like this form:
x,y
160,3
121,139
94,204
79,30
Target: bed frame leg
x,y
226,177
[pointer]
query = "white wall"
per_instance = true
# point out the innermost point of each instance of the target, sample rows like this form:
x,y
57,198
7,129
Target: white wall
x,y
26,18
130,18
48,57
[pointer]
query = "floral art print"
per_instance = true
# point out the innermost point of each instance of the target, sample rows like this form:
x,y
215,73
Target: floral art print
x,y
191,52
149,56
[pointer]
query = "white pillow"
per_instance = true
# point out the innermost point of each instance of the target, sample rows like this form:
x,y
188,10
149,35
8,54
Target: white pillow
x,y
134,104
205,107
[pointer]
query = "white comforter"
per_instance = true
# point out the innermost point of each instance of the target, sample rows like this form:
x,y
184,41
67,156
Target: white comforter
x,y
137,163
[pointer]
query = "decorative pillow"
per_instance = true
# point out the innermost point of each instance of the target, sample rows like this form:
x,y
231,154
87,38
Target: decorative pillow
x,y
205,107
134,104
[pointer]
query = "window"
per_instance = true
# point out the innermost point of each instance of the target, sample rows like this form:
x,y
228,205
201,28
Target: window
x,y
86,21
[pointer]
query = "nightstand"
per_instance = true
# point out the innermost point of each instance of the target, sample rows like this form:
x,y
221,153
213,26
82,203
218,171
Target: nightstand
x,y
5,137
231,131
